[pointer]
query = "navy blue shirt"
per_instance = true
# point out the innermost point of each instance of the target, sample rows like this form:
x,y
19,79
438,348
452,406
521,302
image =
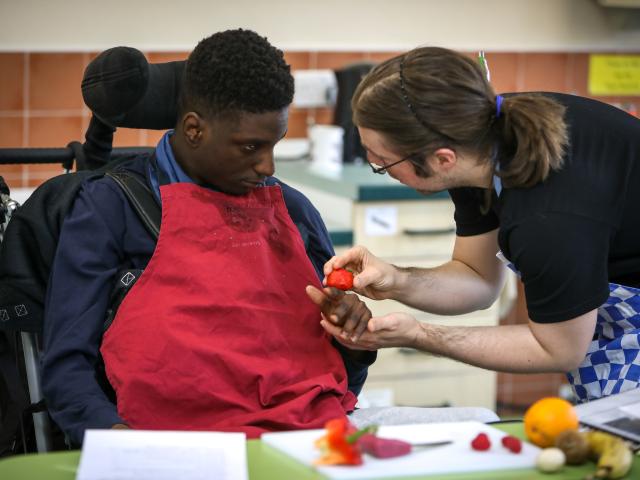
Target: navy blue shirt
x,y
101,235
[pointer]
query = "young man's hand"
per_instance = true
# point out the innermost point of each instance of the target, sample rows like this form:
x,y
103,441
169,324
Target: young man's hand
x,y
345,311
392,330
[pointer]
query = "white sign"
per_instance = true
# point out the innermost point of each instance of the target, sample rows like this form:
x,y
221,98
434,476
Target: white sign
x,y
380,221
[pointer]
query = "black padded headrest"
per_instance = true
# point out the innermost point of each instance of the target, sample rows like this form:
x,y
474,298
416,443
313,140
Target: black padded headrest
x,y
123,90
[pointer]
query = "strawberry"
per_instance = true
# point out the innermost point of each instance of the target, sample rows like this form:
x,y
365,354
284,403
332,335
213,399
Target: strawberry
x,y
512,443
340,278
481,442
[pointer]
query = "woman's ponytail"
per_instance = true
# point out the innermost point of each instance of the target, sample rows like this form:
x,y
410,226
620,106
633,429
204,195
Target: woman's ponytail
x,y
533,137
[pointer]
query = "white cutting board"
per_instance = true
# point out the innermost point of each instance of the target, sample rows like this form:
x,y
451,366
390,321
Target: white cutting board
x,y
455,457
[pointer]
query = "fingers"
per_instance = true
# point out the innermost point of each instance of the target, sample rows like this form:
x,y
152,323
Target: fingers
x,y
365,278
361,327
329,300
357,318
377,324
317,296
331,329
351,258
335,332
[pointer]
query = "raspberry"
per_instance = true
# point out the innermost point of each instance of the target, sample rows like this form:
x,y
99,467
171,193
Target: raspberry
x,y
512,443
481,442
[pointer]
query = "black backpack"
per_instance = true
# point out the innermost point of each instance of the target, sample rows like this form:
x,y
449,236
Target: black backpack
x,y
26,255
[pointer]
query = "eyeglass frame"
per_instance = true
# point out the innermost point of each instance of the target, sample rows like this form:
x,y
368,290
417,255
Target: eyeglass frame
x,y
383,170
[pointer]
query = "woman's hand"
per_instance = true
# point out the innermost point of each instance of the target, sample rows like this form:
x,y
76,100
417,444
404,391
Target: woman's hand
x,y
345,311
393,330
373,277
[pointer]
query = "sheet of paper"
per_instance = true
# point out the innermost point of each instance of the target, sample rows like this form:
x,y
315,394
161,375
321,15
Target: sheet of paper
x,y
381,221
162,455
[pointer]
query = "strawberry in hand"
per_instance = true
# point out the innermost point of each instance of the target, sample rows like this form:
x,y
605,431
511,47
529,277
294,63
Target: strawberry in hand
x,y
340,278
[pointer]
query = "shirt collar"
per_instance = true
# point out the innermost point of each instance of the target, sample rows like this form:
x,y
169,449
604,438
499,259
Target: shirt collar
x,y
166,162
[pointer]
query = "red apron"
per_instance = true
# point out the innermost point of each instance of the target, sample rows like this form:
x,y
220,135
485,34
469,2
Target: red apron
x,y
218,333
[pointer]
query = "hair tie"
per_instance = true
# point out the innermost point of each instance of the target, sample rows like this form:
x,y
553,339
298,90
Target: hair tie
x,y
499,100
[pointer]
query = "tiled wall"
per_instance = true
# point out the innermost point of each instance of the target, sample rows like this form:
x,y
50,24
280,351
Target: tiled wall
x,y
41,106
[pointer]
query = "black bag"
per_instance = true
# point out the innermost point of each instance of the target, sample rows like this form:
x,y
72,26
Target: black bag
x,y
26,255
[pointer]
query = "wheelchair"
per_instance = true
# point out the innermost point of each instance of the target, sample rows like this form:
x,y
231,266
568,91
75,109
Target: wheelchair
x,y
122,90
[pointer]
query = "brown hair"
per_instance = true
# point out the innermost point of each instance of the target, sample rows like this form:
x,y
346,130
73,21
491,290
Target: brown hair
x,y
432,97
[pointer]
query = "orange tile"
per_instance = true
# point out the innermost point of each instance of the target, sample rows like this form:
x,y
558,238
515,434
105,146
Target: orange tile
x,y
379,57
12,171
578,74
163,57
337,60
297,124
153,137
324,116
55,80
11,79
37,174
503,68
54,131
12,175
127,137
545,72
92,55
298,60
11,134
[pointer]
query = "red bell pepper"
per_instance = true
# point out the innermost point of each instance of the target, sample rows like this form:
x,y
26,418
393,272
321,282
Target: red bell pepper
x,y
335,446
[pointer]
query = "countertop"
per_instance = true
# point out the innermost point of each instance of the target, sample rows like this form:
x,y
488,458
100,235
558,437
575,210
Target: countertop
x,y
354,182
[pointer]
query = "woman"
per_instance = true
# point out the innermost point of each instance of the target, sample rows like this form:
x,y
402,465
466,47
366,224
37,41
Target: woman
x,y
548,182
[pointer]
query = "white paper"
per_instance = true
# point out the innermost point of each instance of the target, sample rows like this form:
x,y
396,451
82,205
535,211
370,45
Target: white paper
x,y
381,221
454,457
162,455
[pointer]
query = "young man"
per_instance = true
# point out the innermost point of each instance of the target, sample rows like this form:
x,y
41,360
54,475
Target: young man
x,y
217,334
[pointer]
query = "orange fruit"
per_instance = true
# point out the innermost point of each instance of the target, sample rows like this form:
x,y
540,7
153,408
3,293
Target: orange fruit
x,y
547,418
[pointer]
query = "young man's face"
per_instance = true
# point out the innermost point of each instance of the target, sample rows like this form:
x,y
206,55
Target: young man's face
x,y
234,153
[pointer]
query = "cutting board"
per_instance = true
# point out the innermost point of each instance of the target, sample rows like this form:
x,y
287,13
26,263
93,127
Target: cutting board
x,y
454,457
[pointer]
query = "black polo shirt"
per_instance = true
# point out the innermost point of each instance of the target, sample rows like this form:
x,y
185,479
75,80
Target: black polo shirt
x,y
572,234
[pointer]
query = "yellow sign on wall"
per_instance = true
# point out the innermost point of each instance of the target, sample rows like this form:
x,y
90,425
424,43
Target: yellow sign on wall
x,y
614,75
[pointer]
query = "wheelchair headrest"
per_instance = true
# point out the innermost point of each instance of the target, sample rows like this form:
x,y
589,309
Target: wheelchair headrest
x,y
124,90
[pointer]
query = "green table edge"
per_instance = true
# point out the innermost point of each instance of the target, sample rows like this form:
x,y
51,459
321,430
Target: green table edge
x,y
266,463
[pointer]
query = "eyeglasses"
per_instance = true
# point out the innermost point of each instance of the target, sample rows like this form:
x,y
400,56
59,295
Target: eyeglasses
x,y
383,170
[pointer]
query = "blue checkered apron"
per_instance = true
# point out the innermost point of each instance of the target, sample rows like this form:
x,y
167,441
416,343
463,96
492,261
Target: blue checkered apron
x,y
612,364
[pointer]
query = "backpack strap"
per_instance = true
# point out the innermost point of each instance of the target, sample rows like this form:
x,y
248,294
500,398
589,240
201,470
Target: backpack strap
x,y
141,198
145,205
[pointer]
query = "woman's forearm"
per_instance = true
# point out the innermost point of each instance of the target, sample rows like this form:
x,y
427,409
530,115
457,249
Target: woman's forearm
x,y
449,289
523,348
